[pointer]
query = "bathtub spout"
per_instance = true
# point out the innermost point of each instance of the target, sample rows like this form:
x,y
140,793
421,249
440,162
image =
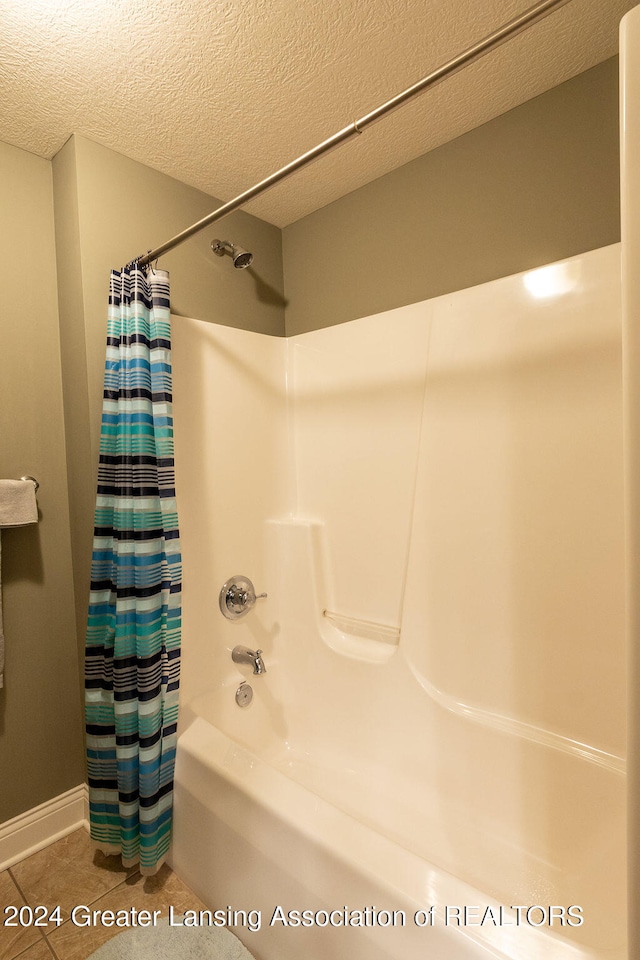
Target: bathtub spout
x,y
242,654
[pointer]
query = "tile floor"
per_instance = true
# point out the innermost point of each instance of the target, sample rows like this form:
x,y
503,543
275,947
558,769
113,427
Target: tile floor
x,y
69,874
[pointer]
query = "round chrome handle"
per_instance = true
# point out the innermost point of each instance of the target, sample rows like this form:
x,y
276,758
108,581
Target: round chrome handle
x,y
237,597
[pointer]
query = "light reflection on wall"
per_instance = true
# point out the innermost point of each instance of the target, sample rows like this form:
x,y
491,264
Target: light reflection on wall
x,y
553,280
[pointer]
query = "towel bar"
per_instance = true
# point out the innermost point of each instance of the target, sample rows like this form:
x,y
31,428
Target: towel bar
x,y
33,479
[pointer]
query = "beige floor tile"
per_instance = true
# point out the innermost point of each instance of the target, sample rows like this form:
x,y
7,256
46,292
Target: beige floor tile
x,y
40,951
13,940
72,942
67,873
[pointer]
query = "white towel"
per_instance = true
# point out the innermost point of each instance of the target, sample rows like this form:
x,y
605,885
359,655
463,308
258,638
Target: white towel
x,y
18,503
18,506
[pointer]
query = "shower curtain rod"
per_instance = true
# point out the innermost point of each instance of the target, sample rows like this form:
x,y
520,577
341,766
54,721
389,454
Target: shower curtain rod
x,y
524,20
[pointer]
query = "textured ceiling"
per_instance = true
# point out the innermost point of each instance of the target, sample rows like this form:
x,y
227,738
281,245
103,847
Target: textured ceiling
x,y
221,94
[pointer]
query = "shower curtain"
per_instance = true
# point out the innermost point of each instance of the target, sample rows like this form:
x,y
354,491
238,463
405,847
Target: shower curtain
x,y
132,663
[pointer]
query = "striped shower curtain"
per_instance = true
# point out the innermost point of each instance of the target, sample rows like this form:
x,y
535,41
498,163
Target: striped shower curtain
x,y
132,661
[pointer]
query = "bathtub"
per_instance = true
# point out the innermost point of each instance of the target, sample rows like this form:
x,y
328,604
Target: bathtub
x,y
319,797
434,760
264,844
256,838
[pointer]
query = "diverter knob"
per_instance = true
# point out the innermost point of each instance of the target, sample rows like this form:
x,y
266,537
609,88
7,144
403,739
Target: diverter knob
x,y
237,597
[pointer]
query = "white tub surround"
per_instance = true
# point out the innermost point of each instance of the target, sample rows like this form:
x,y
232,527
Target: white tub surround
x,y
432,500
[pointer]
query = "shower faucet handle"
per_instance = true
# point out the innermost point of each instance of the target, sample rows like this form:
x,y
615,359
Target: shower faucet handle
x,y
237,597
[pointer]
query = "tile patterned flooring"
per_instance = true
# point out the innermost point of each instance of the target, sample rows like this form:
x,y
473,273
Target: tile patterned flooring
x,y
68,873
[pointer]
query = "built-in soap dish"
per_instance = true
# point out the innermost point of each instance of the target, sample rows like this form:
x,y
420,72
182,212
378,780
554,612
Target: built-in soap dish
x,y
381,632
360,639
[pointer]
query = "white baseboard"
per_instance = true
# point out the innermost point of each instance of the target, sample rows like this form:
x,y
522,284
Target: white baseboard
x,y
37,828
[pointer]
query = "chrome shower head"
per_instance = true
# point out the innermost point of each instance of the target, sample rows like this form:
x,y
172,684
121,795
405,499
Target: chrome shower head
x,y
241,257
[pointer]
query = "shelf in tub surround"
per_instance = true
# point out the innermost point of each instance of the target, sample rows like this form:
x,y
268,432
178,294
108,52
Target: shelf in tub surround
x,y
360,639
381,632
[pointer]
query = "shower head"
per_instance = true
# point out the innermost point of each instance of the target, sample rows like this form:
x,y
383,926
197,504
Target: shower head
x,y
241,258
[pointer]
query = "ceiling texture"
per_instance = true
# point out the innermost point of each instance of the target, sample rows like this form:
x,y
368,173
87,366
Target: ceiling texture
x,y
220,94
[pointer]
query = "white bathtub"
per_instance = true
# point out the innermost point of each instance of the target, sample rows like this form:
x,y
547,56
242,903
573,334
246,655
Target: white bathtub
x,y
250,837
349,782
467,493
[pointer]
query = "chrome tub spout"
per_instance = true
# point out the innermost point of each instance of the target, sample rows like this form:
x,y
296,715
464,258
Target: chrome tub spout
x,y
241,654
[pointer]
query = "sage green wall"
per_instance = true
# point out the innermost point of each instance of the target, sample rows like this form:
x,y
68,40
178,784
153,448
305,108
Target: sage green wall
x,y
108,209
41,746
535,185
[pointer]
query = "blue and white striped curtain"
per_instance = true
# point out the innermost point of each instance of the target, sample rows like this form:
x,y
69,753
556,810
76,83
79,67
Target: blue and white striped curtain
x,y
132,662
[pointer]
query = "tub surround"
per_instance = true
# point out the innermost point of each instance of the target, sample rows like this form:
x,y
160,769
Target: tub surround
x,y
448,478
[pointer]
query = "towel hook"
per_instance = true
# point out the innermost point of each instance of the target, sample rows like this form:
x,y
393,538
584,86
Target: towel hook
x,y
33,480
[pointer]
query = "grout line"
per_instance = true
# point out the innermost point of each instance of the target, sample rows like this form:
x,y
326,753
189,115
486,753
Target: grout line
x,y
16,956
52,951
20,890
90,903
135,875
41,932
9,870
